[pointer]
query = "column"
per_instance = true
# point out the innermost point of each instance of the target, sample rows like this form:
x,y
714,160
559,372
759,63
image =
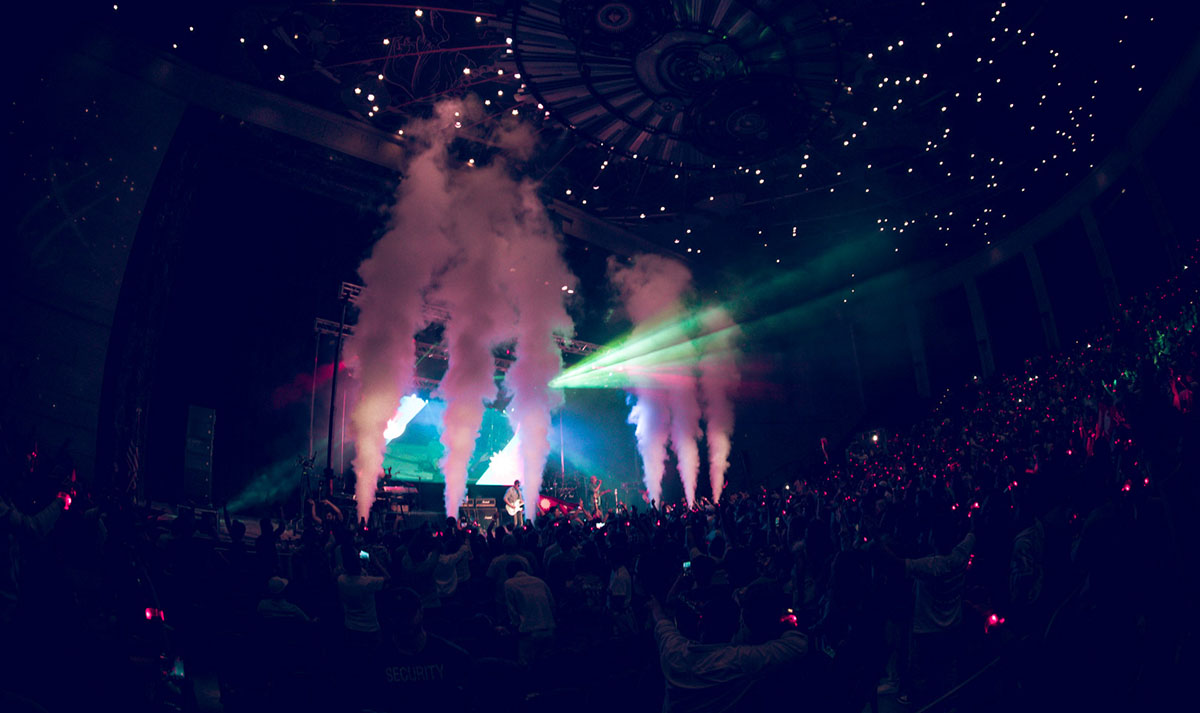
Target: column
x,y
1049,327
1162,222
916,344
1107,280
986,362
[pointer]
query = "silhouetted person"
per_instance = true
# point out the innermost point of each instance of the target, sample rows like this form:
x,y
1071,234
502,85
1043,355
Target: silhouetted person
x,y
356,591
530,608
276,605
411,669
937,611
266,547
15,526
713,675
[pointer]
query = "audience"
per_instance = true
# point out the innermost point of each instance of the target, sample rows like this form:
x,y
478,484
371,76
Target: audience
x,y
1030,537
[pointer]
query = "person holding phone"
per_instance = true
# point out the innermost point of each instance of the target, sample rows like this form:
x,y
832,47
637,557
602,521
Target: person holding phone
x,y
356,592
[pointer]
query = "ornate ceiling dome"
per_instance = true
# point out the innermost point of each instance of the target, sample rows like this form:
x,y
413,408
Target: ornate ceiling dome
x,y
685,84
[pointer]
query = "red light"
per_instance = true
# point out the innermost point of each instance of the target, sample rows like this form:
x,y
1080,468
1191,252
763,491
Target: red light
x,y
993,619
149,613
545,503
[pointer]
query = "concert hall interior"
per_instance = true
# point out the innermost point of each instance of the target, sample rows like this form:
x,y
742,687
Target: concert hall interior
x,y
695,356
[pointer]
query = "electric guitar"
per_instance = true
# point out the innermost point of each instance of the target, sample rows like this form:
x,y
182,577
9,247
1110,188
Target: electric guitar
x,y
596,495
515,507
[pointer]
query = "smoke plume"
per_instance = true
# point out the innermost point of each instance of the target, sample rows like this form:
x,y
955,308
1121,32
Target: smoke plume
x,y
479,319
651,419
719,377
685,430
537,279
652,288
476,241
390,310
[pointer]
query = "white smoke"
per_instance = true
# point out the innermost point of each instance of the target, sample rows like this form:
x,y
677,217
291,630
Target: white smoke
x,y
719,377
537,278
479,242
685,431
398,268
652,288
651,418
480,318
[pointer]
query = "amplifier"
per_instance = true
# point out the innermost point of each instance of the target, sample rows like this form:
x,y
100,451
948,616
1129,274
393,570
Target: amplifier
x,y
479,509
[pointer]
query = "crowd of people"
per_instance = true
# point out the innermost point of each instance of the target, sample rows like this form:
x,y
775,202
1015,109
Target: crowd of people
x,y
1026,545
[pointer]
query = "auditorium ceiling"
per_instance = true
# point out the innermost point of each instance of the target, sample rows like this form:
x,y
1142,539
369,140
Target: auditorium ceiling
x,y
848,138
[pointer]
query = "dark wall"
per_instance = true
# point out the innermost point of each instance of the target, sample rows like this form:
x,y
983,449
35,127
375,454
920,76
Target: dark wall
x,y
84,148
1072,281
262,253
1136,245
886,361
949,338
1172,162
1009,305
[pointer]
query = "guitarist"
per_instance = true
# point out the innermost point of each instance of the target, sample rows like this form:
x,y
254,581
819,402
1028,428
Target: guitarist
x,y
514,505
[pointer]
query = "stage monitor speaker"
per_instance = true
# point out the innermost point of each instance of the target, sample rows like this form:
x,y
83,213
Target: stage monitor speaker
x,y
197,457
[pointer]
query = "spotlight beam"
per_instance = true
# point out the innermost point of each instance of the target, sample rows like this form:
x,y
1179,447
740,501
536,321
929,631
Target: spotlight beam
x,y
649,366
670,346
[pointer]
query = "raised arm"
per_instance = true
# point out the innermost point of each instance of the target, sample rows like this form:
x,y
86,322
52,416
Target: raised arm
x,y
39,525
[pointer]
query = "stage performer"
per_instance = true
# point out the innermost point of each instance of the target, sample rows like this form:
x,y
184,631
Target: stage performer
x,y
595,486
514,505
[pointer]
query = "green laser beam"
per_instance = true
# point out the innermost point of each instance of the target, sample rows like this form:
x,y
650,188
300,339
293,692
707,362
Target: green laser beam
x,y
674,343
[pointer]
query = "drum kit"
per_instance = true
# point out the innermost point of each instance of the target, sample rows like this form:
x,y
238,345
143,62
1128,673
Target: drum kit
x,y
569,488
573,489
